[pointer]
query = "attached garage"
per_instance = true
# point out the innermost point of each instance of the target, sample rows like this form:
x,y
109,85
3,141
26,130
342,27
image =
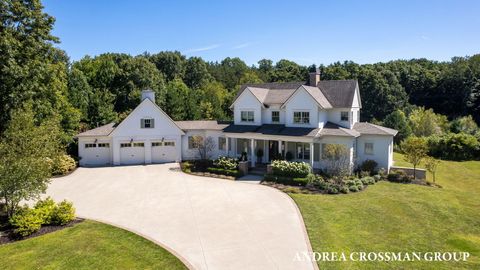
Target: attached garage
x,y
163,152
95,154
132,153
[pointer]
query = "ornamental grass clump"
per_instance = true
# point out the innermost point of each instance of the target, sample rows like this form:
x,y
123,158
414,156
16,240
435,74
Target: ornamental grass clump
x,y
290,169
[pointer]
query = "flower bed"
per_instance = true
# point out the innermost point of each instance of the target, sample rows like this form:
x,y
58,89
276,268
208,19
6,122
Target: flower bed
x,y
223,167
290,169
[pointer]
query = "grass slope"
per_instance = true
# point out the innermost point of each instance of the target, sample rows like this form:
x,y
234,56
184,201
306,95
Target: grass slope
x,y
87,245
400,217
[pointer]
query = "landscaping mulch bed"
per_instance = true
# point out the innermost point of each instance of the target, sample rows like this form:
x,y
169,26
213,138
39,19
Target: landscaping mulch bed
x,y
207,174
293,189
6,236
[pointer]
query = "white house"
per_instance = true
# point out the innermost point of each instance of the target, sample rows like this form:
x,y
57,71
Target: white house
x,y
297,118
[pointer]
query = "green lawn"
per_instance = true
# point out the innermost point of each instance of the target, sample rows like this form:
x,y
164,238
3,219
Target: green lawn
x,y
400,217
87,245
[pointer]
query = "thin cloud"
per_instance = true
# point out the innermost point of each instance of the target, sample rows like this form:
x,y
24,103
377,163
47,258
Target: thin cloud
x,y
207,48
425,37
240,46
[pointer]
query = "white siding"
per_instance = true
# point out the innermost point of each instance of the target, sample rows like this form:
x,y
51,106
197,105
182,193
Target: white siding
x,y
94,156
301,101
382,150
247,102
267,114
189,154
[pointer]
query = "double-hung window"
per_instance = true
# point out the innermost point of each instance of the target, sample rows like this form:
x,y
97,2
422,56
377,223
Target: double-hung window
x,y
303,151
301,117
222,143
368,148
275,117
147,123
344,116
247,116
194,141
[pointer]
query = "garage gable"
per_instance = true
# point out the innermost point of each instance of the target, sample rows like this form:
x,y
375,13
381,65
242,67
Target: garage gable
x,y
147,119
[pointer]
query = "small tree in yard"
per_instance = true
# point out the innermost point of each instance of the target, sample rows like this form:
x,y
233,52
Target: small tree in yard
x,y
26,151
431,164
204,146
415,150
337,160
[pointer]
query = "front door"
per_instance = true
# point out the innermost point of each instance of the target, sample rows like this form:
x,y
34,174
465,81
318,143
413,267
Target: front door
x,y
272,150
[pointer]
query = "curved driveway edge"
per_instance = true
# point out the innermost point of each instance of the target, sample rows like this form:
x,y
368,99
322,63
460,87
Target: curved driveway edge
x,y
208,223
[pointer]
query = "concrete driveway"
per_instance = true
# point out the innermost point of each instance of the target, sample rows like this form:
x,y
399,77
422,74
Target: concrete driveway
x,y
208,223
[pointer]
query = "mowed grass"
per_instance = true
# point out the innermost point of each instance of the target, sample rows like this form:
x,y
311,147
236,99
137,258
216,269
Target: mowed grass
x,y
400,218
87,245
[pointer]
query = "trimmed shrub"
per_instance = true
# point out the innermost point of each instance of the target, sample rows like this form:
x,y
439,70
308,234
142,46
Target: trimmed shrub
x,y
399,177
290,169
186,166
288,156
226,163
64,213
301,181
221,171
201,165
331,189
353,188
283,180
368,180
369,166
63,164
26,221
377,177
344,189
45,209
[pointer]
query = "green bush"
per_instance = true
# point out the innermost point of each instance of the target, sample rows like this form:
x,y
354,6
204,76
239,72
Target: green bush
x,y
226,163
353,188
64,213
290,169
283,180
377,177
454,146
63,164
45,209
368,180
332,189
369,166
25,222
186,166
201,165
398,176
301,181
344,189
221,171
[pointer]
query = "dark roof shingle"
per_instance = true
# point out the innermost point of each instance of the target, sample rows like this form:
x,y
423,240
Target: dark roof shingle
x,y
365,128
104,130
340,93
202,124
272,129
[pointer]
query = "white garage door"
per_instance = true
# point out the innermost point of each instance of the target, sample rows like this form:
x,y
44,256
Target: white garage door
x,y
164,152
96,154
132,153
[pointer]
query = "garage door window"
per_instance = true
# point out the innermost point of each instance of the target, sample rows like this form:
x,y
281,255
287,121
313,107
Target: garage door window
x,y
90,145
123,145
141,144
154,144
169,143
105,145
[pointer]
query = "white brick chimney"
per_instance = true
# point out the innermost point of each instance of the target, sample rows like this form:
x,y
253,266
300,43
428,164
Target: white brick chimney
x,y
148,93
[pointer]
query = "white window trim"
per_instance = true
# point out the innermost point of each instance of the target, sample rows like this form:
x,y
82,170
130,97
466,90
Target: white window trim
x,y
348,116
247,111
278,116
301,117
151,122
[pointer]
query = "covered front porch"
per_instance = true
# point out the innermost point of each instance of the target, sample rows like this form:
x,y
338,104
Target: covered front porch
x,y
301,149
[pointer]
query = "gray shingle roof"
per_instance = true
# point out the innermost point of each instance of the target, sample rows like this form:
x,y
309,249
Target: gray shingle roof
x,y
365,128
340,93
104,130
318,96
271,129
329,94
331,129
202,124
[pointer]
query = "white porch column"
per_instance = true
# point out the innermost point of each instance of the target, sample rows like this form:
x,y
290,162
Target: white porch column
x,y
226,146
280,148
252,154
311,154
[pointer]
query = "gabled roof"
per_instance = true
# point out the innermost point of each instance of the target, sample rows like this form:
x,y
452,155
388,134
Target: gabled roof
x,y
340,93
365,128
328,94
331,129
203,125
104,130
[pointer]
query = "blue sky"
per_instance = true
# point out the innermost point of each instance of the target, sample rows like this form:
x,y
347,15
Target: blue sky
x,y
307,32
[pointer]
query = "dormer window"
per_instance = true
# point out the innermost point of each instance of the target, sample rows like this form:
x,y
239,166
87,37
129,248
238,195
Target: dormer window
x,y
344,116
247,116
301,117
147,123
